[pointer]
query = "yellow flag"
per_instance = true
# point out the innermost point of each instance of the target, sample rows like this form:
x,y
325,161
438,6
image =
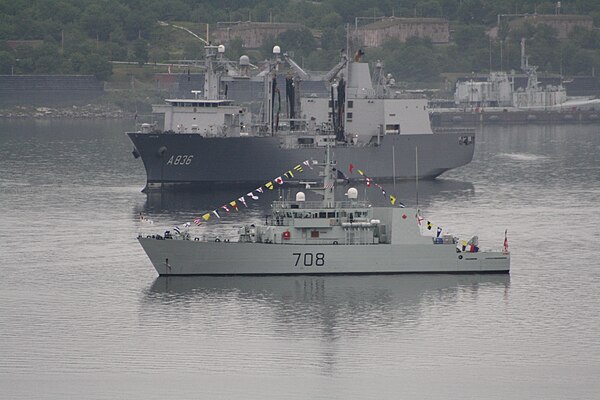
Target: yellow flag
x,y
206,216
393,199
360,172
269,185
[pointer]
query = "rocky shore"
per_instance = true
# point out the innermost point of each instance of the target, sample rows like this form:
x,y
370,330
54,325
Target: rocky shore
x,y
88,111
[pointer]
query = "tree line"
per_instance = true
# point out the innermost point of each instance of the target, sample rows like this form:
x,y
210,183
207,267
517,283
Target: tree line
x,y
83,36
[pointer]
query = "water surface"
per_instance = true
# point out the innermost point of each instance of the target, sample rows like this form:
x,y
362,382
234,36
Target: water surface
x,y
83,314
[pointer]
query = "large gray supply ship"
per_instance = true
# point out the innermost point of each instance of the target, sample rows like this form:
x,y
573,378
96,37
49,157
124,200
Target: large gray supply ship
x,y
193,160
328,237
209,140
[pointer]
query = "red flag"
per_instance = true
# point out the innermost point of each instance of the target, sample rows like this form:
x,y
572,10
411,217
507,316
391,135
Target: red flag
x,y
351,167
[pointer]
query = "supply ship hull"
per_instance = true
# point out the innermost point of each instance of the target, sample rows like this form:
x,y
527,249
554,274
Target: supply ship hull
x,y
180,160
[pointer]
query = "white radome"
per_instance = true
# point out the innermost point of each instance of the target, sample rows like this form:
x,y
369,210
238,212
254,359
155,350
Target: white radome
x,y
244,60
352,193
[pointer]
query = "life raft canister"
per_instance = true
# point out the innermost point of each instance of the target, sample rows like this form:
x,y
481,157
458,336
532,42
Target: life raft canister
x,y
286,235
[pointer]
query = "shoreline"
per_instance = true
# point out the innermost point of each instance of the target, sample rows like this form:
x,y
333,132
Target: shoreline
x,y
88,111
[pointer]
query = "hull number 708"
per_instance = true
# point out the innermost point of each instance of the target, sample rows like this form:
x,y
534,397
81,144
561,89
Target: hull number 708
x,y
309,259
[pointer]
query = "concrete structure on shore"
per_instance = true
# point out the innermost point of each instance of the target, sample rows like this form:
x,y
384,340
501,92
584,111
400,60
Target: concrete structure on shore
x,y
376,33
252,34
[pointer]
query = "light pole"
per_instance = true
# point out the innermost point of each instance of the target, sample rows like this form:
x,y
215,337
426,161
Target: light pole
x,y
490,54
501,58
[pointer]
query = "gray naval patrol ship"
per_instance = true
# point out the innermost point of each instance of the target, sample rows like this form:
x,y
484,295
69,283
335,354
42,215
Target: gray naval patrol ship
x,y
328,237
209,140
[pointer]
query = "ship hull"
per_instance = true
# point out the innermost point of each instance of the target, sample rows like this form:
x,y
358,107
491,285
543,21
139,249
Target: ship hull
x,y
190,257
174,161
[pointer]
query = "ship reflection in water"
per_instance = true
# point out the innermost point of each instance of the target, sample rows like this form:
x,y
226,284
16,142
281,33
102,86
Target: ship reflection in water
x,y
339,304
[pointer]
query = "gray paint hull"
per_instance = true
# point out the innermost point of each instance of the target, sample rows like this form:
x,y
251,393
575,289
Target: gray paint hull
x,y
244,160
189,257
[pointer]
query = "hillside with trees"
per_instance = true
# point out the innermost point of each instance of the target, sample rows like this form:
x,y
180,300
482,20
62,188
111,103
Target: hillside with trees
x,y
84,36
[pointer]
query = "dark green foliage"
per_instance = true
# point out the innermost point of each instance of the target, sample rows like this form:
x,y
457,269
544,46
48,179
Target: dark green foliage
x,y
140,51
301,42
82,36
235,49
46,58
414,60
97,65
7,61
585,38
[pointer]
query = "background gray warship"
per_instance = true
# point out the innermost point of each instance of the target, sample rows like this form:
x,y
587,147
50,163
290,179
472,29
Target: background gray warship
x,y
208,140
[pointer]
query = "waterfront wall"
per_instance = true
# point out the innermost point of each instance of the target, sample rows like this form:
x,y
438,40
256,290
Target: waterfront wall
x,y
48,90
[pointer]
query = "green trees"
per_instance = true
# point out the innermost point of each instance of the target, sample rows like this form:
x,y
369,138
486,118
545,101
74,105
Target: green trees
x,y
301,42
46,58
7,62
97,65
68,36
140,51
414,60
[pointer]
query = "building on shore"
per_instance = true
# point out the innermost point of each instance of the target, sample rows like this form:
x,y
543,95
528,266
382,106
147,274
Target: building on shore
x,y
376,33
252,34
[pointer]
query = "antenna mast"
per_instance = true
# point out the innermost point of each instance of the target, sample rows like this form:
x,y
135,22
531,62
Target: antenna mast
x,y
417,173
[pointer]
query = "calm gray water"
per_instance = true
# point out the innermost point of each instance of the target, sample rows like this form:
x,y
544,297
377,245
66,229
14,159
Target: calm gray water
x,y
84,316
